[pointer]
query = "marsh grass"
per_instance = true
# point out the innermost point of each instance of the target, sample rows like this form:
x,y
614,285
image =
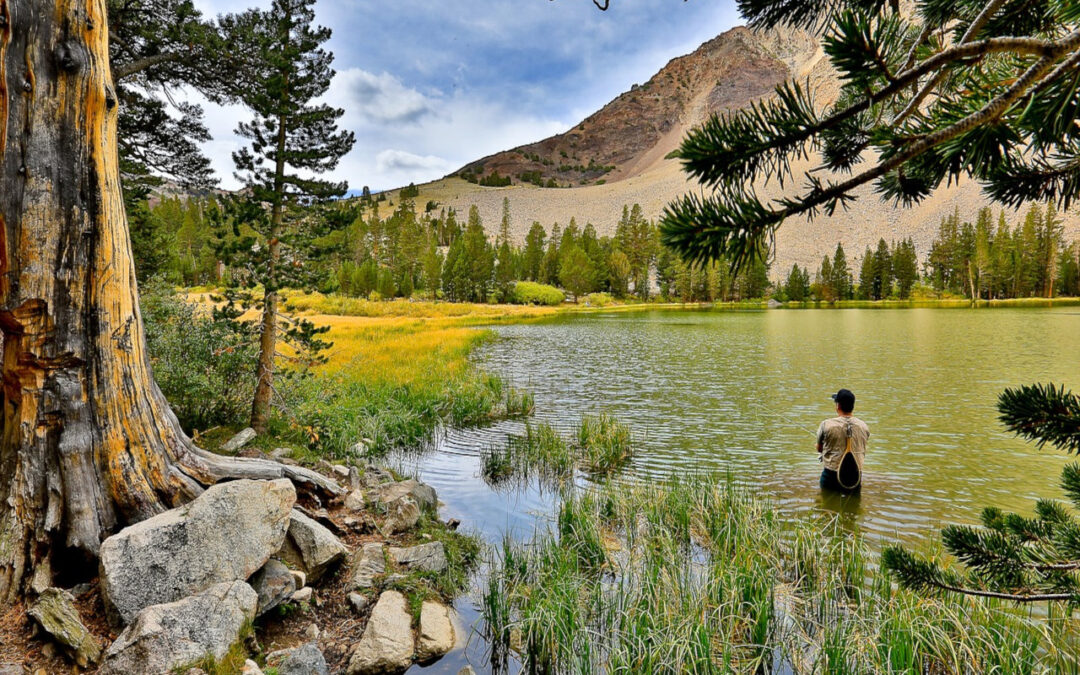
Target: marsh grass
x,y
698,576
601,445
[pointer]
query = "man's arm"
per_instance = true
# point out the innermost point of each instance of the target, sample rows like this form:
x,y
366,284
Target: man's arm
x,y
820,437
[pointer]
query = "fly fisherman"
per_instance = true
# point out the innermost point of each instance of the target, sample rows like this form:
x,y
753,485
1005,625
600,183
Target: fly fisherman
x,y
841,445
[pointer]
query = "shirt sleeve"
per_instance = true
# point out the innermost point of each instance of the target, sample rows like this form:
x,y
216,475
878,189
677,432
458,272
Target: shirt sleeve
x,y
821,433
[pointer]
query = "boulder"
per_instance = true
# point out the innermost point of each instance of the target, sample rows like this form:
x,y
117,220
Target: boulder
x,y
224,535
368,563
251,668
387,643
239,440
169,636
355,501
341,471
423,495
303,660
55,612
275,584
436,636
281,453
429,557
311,547
402,515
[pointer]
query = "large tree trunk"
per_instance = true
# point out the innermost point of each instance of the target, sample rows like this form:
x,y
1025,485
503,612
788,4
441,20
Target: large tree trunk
x,y
88,441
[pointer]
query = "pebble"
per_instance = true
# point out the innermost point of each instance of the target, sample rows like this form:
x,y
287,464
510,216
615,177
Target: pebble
x,y
312,632
358,601
303,595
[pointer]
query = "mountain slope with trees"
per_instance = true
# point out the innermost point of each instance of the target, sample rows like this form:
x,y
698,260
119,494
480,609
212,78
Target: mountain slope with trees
x,y
628,144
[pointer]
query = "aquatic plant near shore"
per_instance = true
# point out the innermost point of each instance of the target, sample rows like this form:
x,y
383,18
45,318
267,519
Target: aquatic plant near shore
x,y
699,576
601,445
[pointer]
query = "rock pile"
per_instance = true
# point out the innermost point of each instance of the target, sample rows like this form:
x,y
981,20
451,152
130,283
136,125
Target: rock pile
x,y
185,586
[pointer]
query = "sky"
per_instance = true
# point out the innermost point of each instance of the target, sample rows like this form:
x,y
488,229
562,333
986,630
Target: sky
x,y
430,85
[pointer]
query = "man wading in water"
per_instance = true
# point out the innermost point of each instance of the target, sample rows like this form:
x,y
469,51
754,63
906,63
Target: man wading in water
x,y
841,444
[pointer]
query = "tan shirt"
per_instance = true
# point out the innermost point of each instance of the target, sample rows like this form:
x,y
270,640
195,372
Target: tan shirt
x,y
833,435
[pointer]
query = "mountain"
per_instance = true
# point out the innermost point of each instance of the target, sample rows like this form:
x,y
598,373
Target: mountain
x,y
620,155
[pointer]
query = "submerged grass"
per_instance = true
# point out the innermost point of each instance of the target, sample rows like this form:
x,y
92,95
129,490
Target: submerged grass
x,y
601,445
698,576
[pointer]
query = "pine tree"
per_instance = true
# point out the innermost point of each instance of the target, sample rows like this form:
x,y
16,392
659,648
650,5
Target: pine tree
x,y
477,257
1013,556
905,263
841,274
950,90
155,46
284,70
576,271
505,274
532,257
549,271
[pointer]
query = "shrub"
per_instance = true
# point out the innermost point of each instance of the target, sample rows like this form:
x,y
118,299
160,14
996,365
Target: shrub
x,y
599,299
205,364
532,293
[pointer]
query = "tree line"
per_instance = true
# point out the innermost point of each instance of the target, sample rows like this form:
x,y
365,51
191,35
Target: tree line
x,y
981,260
350,247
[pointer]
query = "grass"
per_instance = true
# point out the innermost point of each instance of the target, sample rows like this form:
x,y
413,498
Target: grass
x,y
462,556
601,445
698,576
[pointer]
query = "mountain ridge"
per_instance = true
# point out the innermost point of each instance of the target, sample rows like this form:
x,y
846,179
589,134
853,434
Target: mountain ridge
x,y
620,155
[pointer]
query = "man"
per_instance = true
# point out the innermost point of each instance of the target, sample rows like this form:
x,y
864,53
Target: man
x,y
833,438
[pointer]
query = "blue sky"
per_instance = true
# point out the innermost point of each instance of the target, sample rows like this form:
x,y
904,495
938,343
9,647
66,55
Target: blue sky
x,y
429,85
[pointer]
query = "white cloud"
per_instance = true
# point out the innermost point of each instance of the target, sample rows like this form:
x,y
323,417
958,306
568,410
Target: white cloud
x,y
379,98
399,160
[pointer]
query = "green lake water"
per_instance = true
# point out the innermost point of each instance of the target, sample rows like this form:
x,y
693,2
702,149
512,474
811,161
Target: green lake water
x,y
743,391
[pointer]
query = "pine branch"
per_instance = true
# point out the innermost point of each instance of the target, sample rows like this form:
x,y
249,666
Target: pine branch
x,y
980,21
917,574
1043,414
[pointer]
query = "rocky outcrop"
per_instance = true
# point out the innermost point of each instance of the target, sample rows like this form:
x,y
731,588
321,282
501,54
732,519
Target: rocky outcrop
x,y
54,611
274,583
224,535
368,563
303,660
312,547
436,636
402,515
387,643
430,557
168,636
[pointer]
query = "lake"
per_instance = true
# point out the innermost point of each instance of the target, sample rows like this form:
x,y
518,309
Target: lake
x,y
743,391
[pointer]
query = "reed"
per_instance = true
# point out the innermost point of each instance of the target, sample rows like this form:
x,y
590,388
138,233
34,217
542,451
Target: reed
x,y
699,576
601,445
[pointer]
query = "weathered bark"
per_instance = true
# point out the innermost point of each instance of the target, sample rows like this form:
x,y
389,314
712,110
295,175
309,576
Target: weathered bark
x,y
88,441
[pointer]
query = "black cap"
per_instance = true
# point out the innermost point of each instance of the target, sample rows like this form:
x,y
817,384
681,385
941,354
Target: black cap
x,y
845,399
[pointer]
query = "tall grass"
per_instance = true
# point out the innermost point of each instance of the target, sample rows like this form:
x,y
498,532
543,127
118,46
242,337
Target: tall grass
x,y
698,576
601,445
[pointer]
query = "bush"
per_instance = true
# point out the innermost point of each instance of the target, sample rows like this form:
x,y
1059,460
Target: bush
x,y
599,299
532,293
205,365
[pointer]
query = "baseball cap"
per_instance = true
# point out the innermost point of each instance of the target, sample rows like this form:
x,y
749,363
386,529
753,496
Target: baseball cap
x,y
845,399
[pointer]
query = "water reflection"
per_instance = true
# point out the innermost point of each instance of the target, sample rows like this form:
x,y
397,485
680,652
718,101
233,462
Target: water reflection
x,y
742,392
